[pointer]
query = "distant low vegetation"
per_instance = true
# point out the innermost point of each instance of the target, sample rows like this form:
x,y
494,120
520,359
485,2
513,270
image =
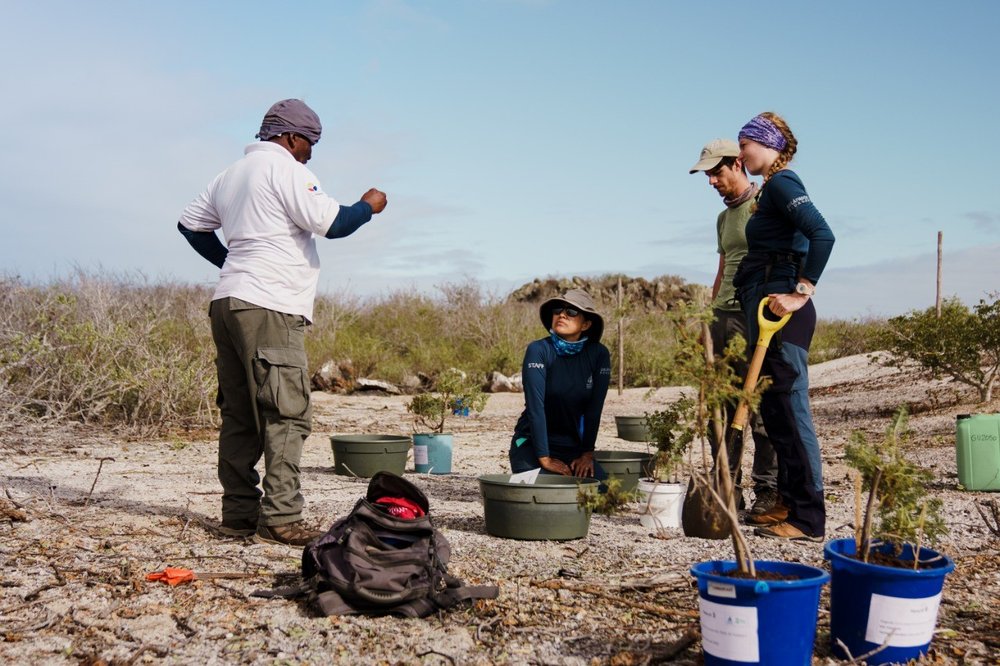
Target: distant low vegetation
x,y
125,352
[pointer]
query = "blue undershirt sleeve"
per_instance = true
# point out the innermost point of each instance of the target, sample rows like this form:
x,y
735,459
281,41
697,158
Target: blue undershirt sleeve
x,y
791,196
349,219
205,243
592,417
533,377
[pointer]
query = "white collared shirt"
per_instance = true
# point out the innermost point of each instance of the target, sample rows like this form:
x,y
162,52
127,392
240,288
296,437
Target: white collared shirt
x,y
268,206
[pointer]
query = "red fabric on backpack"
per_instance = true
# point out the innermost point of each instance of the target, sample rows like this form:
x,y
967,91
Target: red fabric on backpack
x,y
400,507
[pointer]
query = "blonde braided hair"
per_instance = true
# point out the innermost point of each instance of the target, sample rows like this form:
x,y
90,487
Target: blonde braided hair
x,y
791,144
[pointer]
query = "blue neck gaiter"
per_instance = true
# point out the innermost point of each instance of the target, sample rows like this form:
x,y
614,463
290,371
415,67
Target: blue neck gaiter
x,y
565,347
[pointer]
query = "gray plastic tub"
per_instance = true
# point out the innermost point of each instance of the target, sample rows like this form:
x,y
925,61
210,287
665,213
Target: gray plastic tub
x,y
632,428
543,511
627,466
364,455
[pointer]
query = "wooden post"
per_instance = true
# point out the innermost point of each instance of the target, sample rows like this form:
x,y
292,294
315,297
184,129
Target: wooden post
x,y
938,299
621,340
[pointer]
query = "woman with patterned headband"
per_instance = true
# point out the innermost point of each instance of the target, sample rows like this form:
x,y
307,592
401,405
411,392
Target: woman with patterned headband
x,y
788,244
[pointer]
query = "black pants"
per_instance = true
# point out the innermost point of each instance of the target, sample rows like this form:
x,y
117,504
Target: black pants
x,y
785,410
727,325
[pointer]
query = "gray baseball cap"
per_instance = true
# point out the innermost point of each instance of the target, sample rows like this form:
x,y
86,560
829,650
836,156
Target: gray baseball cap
x,y
713,152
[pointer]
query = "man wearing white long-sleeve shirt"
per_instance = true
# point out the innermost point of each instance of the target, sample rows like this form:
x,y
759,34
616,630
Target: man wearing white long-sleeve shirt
x,y
269,207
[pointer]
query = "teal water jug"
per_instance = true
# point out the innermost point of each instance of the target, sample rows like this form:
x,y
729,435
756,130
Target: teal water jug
x,y
978,451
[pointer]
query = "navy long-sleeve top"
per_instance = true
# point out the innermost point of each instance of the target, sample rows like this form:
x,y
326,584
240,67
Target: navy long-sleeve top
x,y
787,221
563,396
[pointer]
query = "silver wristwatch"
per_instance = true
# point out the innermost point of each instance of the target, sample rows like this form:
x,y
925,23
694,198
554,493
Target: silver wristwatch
x,y
803,288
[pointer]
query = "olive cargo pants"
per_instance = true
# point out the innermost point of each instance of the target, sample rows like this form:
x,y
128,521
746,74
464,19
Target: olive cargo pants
x,y
264,400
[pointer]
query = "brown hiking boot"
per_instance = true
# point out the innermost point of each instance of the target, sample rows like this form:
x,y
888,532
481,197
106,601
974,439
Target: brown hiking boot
x,y
238,527
786,531
765,500
777,514
289,534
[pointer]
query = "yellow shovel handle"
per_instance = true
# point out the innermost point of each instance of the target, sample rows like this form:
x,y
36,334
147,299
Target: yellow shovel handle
x,y
767,329
767,326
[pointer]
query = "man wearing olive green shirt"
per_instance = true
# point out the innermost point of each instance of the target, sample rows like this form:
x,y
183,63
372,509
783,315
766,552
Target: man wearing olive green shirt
x,y
720,162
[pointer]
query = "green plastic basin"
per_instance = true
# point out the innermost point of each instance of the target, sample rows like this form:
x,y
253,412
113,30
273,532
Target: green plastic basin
x,y
627,466
364,455
543,511
632,428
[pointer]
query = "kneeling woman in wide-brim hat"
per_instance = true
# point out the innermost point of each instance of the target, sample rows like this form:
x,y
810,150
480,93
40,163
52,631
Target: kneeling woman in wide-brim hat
x,y
566,377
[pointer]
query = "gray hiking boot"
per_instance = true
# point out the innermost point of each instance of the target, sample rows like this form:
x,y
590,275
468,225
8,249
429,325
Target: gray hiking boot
x,y
289,534
764,501
238,527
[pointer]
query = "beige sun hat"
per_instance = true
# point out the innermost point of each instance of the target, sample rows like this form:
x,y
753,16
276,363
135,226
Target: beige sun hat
x,y
580,300
713,152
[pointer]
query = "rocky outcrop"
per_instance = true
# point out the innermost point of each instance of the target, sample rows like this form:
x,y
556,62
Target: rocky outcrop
x,y
662,293
334,376
497,382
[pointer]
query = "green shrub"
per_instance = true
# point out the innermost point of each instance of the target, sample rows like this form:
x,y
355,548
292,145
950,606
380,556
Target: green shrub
x,y
963,343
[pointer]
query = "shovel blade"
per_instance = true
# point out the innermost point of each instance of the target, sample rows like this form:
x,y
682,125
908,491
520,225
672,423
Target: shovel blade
x,y
702,517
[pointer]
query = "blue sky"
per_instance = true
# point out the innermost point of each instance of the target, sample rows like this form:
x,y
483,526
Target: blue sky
x,y
514,138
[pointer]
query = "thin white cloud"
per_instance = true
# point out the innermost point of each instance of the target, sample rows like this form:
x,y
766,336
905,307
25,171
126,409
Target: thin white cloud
x,y
900,285
985,221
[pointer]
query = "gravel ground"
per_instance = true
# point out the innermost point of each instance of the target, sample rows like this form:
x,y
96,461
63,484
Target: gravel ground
x,y
76,545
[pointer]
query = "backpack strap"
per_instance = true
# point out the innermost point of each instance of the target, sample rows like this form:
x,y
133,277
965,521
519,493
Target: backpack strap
x,y
454,595
331,603
447,598
297,591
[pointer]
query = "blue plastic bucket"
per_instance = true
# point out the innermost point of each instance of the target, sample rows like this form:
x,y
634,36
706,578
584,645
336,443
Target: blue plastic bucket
x,y
758,621
867,601
432,453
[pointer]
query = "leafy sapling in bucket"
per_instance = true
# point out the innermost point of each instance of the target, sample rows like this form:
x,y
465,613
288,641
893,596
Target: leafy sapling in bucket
x,y
454,393
671,431
897,493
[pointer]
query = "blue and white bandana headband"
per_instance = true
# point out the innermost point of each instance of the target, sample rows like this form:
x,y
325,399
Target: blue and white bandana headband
x,y
764,132
565,347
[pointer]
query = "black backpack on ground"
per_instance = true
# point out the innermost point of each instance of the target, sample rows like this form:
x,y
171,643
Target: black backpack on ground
x,y
374,563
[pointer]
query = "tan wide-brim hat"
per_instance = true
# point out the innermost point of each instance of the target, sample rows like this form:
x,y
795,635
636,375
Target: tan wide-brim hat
x,y
713,153
581,300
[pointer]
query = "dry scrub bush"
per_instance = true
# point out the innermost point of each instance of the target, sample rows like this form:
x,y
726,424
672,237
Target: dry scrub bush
x,y
109,350
401,333
835,338
122,351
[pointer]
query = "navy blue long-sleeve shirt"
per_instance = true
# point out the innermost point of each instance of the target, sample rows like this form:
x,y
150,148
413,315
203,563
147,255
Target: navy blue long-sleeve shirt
x,y
563,396
786,220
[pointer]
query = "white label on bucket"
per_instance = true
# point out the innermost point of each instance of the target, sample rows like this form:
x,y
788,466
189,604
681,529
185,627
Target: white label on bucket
x,y
420,454
721,590
729,632
905,622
